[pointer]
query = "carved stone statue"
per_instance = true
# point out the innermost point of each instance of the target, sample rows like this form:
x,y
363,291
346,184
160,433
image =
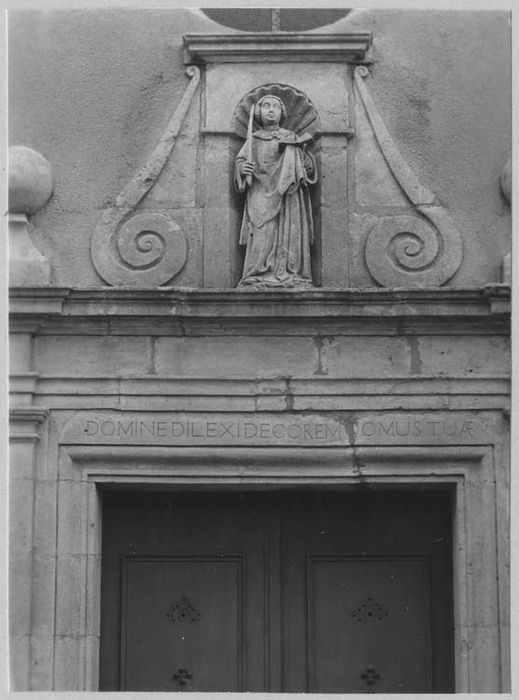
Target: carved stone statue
x,y
275,169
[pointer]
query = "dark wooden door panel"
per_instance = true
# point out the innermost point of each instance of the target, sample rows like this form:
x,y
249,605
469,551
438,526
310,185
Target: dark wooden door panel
x,y
403,538
322,592
176,611
161,548
368,624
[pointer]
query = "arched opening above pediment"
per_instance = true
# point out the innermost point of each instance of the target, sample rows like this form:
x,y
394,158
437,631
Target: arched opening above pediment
x,y
259,19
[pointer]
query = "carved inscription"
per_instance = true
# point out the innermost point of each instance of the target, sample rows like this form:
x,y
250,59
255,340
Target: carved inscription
x,y
267,430
272,429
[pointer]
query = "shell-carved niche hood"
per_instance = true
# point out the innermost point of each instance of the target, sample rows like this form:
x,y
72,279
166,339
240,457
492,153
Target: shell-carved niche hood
x,y
302,115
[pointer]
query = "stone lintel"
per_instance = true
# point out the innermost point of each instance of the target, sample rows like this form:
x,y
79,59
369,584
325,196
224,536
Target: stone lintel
x,y
271,429
268,47
30,305
249,396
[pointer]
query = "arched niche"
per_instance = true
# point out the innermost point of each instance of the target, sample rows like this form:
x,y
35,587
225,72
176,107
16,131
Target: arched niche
x,y
302,116
313,79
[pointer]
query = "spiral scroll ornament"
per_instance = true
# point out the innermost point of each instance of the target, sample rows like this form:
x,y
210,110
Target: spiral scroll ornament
x,y
404,251
424,250
143,248
407,251
146,250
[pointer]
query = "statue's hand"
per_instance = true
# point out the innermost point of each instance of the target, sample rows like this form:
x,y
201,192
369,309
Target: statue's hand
x,y
246,168
308,165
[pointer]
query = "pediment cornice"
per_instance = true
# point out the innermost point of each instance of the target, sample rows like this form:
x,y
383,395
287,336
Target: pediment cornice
x,y
261,47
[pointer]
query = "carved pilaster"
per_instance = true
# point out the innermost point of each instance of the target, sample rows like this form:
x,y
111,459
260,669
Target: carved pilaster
x,y
25,426
22,388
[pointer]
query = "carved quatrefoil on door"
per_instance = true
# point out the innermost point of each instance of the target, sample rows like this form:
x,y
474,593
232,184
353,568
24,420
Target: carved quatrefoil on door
x,y
182,610
182,677
369,611
370,676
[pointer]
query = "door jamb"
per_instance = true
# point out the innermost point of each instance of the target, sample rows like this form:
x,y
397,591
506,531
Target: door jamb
x,y
463,469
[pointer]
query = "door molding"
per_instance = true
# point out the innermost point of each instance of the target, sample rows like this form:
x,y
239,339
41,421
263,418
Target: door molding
x,y
83,470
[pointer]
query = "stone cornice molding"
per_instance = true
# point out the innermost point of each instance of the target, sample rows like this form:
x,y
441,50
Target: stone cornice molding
x,y
29,306
175,311
31,414
248,396
25,423
268,47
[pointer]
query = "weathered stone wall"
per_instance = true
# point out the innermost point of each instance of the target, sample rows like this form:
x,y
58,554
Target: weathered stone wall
x,y
406,388
264,356
383,389
93,90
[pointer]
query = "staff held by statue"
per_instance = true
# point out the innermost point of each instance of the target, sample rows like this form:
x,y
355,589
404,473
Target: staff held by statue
x,y
249,142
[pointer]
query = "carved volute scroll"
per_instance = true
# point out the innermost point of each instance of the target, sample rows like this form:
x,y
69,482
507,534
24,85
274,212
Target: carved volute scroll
x,y
143,249
406,250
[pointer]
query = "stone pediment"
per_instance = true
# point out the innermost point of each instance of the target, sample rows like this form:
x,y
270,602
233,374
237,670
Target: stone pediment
x,y
376,224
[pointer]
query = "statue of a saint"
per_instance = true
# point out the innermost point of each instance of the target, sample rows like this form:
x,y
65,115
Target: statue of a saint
x,y
275,169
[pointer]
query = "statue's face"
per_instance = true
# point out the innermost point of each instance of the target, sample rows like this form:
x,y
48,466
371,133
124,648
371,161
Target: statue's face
x,y
270,111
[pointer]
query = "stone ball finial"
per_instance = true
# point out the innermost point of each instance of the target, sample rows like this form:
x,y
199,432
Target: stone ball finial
x,y
506,180
30,180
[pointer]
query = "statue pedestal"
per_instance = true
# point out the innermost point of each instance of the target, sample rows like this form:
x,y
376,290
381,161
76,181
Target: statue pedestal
x,y
30,187
27,266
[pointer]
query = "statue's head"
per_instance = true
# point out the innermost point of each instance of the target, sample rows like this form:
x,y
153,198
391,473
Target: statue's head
x,y
270,109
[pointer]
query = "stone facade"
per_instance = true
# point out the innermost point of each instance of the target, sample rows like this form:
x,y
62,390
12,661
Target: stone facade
x,y
144,366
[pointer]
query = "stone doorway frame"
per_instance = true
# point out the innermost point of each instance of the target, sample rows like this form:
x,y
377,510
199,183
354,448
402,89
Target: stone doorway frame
x,y
481,632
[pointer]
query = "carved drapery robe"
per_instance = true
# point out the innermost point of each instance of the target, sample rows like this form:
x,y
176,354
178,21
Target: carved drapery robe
x,y
277,225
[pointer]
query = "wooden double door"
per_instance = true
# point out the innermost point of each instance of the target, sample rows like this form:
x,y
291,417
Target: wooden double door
x,y
272,591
